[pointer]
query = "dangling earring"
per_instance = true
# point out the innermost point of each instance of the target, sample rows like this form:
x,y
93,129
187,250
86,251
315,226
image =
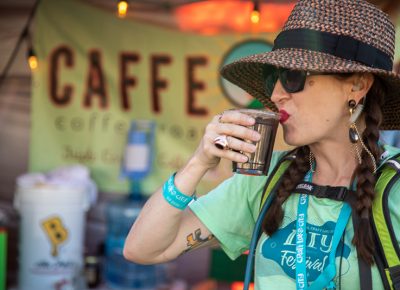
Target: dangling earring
x,y
353,117
354,134
311,159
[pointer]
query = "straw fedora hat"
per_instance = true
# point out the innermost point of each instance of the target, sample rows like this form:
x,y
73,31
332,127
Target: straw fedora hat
x,y
338,36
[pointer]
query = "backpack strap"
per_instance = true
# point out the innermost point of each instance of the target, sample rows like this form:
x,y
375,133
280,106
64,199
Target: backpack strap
x,y
275,176
387,256
338,193
364,269
267,197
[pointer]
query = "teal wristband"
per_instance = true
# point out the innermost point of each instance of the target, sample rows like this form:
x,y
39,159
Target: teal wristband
x,y
173,196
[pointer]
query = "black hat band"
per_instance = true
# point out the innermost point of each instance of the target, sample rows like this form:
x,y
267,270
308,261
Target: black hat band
x,y
341,46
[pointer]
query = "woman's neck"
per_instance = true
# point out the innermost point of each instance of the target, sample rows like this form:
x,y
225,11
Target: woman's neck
x,y
335,162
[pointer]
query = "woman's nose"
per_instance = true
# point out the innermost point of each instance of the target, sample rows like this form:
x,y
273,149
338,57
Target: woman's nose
x,y
279,94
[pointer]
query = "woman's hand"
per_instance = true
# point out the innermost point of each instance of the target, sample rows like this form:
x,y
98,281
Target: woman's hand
x,y
233,124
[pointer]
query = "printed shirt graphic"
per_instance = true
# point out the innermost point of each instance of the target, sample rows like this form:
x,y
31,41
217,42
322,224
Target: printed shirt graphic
x,y
281,249
277,254
230,212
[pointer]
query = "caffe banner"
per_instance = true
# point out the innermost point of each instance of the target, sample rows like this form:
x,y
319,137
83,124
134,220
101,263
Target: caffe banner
x,y
98,73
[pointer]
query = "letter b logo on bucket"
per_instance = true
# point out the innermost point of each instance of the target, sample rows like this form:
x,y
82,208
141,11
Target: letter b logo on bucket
x,y
56,232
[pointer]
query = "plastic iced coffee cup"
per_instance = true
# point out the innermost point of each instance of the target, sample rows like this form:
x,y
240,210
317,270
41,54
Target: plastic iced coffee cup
x,y
258,162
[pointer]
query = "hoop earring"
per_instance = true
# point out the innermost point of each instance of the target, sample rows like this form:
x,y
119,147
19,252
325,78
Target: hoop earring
x,y
354,134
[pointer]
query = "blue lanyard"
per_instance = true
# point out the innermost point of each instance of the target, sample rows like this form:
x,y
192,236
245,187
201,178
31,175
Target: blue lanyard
x,y
301,239
325,279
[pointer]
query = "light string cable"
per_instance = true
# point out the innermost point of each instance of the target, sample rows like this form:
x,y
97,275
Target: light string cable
x,y
22,36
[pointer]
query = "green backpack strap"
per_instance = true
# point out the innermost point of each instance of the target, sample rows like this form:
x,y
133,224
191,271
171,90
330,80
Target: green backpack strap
x,y
388,253
267,197
275,176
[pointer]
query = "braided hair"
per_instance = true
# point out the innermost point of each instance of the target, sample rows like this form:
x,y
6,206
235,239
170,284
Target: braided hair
x,y
364,174
366,179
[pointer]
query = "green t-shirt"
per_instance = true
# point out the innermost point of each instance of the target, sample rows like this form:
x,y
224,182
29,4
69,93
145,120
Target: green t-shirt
x,y
231,210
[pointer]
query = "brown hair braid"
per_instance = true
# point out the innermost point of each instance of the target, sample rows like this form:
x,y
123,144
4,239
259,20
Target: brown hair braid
x,y
363,239
292,176
366,179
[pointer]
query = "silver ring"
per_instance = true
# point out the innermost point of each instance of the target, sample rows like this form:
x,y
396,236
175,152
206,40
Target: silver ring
x,y
221,142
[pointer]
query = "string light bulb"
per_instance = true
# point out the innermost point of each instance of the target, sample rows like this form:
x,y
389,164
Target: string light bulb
x,y
255,14
32,59
122,8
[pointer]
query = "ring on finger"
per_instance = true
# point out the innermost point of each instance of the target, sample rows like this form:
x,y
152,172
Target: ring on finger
x,y
221,142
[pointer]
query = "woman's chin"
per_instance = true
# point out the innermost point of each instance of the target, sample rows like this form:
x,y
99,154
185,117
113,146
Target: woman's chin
x,y
294,144
292,141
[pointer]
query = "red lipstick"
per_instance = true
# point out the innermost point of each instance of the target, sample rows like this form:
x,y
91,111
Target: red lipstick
x,y
284,116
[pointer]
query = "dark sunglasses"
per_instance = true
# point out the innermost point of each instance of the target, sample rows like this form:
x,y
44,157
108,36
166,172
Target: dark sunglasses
x,y
293,81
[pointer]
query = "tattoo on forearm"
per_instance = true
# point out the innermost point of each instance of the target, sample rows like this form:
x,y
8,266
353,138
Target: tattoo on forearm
x,y
194,240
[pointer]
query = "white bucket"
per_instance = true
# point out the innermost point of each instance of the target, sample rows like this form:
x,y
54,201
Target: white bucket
x,y
51,236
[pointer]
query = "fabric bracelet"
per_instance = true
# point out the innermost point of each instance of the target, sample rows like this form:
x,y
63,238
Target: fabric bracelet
x,y
173,196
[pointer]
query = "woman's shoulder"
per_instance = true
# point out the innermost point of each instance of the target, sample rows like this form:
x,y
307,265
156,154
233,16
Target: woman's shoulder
x,y
277,156
254,184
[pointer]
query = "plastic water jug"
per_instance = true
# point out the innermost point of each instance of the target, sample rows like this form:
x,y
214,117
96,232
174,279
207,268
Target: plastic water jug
x,y
121,274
